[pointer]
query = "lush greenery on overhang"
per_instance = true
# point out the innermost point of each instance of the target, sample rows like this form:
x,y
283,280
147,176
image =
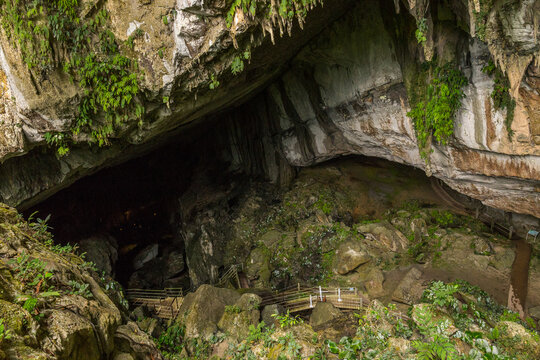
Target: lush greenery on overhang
x,y
52,36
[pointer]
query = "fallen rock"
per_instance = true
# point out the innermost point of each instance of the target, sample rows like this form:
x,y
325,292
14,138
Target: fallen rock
x,y
202,310
349,256
409,291
174,264
521,340
71,337
129,339
102,250
387,236
270,310
374,283
236,320
145,255
322,313
535,312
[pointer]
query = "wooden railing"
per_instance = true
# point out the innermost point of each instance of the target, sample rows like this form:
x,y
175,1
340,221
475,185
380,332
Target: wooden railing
x,y
299,298
164,303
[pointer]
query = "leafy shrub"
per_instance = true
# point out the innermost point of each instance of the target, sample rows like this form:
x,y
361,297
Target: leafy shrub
x,y
81,289
88,52
433,116
501,95
421,31
441,294
171,340
287,320
232,309
5,333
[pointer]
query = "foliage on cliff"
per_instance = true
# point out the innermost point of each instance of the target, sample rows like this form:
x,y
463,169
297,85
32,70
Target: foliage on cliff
x,y
433,115
73,37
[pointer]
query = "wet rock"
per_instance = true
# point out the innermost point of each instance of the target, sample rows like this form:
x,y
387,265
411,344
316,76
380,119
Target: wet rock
x,y
409,290
322,313
150,326
349,256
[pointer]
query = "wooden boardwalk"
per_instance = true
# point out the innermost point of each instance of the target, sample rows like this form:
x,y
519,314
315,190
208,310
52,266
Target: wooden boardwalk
x,y
166,303
300,298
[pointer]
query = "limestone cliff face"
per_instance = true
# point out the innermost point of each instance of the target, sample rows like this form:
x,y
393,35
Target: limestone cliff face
x,y
335,88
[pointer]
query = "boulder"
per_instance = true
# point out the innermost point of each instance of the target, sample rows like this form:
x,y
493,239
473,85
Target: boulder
x,y
71,336
236,322
174,264
123,356
349,256
322,313
129,339
535,312
258,267
419,226
14,316
102,250
387,236
374,283
520,339
409,290
270,310
202,310
145,255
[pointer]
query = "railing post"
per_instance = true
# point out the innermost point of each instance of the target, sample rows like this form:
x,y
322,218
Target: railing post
x,y
298,286
310,301
320,292
339,295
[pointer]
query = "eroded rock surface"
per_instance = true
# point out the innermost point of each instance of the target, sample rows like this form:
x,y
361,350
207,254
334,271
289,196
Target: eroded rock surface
x,y
346,92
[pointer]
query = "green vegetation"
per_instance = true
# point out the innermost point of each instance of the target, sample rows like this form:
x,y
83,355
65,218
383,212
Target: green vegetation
x,y
280,13
421,31
287,320
232,309
170,342
5,333
433,113
501,95
283,10
237,65
50,35
480,18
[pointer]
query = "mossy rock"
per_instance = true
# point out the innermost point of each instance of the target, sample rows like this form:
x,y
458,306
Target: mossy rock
x,y
14,316
518,341
20,351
